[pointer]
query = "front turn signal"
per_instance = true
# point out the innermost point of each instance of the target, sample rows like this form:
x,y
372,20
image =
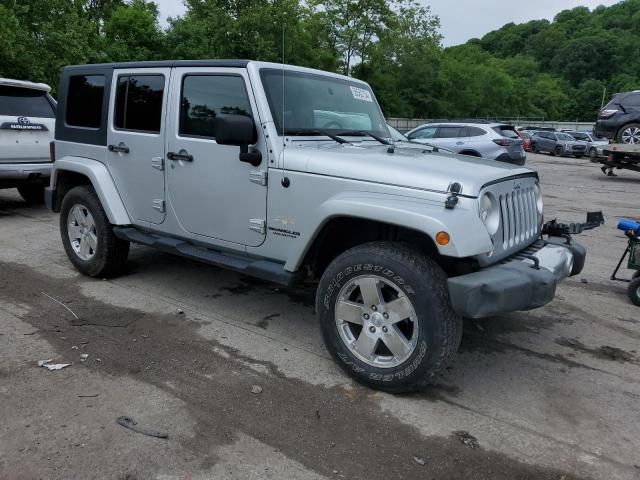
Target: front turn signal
x,y
442,238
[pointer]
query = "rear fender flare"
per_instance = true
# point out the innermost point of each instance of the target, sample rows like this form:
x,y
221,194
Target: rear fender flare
x,y
102,183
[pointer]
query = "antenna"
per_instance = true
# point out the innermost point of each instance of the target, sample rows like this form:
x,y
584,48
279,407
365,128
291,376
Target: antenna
x,y
283,110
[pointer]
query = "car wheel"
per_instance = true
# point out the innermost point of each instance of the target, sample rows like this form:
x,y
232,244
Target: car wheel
x,y
534,148
593,152
558,151
634,291
32,193
87,235
629,134
386,317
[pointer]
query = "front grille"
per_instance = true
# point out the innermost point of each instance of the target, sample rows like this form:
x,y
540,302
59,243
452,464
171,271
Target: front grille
x,y
519,217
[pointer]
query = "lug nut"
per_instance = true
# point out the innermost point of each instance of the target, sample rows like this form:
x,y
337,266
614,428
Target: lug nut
x,y
366,316
385,315
374,308
385,329
372,329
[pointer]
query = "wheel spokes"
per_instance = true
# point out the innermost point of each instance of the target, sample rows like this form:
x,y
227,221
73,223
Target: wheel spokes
x,y
74,231
396,342
366,344
370,291
84,249
350,312
92,241
399,309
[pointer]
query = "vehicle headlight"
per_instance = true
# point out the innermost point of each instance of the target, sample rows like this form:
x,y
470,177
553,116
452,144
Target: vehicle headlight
x,y
539,203
489,213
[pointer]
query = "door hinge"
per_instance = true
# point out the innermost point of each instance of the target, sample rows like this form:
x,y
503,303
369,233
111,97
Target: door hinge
x,y
258,176
158,205
258,225
158,163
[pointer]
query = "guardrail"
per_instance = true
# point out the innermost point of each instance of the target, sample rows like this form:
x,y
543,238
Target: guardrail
x,y
406,124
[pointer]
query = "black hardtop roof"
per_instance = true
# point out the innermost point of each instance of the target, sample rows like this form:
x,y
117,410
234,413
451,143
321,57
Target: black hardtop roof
x,y
162,64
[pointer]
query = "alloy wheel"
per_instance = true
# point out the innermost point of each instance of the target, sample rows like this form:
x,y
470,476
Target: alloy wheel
x,y
81,229
631,135
376,321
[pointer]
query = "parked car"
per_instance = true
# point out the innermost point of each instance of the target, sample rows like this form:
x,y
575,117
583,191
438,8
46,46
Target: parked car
x,y
557,143
526,140
619,120
594,144
27,124
222,162
396,136
494,141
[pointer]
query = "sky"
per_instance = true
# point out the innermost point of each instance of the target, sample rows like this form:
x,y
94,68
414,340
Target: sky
x,y
463,19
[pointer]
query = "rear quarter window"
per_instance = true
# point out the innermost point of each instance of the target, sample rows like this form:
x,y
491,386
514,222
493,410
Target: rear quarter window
x,y
84,101
25,102
475,132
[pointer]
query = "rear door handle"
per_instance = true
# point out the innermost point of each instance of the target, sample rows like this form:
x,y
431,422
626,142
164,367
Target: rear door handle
x,y
185,157
120,148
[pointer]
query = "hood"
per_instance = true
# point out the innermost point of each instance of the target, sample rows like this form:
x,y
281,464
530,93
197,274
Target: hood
x,y
407,166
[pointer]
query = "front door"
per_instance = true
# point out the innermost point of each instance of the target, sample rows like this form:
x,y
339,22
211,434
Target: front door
x,y
136,142
213,193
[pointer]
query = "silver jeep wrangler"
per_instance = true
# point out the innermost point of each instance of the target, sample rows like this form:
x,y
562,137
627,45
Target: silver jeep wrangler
x,y
290,174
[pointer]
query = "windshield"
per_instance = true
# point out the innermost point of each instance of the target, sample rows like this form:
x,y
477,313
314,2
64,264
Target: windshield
x,y
580,136
321,102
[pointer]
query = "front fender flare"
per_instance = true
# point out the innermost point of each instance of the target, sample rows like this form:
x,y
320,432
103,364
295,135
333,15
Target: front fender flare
x,y
426,216
102,182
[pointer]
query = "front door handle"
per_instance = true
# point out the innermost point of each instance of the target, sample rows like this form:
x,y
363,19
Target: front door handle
x,y
120,148
184,156
459,143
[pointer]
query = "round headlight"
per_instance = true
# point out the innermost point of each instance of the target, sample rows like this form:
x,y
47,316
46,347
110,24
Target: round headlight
x,y
539,203
489,213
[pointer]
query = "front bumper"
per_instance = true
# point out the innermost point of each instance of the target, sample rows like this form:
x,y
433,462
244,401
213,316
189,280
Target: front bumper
x,y
25,171
517,284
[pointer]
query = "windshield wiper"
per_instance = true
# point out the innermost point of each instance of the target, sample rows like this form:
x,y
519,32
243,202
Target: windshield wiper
x,y
362,133
314,132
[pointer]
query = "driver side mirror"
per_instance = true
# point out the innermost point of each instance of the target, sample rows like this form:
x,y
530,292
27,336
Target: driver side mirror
x,y
238,130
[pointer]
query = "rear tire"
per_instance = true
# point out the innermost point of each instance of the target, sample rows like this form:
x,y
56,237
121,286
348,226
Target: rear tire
x,y
534,148
558,151
629,134
32,193
396,347
87,235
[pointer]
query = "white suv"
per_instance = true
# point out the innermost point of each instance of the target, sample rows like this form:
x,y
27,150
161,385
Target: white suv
x,y
27,124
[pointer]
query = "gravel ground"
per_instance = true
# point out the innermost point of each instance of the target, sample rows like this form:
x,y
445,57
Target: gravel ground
x,y
234,370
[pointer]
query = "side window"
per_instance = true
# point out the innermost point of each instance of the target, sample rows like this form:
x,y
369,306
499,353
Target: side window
x,y
205,96
632,100
84,101
451,132
139,103
475,132
426,132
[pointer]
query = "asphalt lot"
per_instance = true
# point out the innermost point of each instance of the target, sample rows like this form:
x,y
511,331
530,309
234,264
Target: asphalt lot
x,y
178,346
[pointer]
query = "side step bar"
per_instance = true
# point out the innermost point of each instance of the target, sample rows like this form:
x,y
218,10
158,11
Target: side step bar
x,y
263,269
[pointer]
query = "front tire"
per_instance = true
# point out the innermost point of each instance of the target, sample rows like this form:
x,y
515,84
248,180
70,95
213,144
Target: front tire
x,y
386,317
593,153
87,235
558,151
32,193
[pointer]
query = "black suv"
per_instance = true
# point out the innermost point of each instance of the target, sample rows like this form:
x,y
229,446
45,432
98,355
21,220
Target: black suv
x,y
619,120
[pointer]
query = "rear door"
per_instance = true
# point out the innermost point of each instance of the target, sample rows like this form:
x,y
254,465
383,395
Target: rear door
x,y
452,137
27,124
135,139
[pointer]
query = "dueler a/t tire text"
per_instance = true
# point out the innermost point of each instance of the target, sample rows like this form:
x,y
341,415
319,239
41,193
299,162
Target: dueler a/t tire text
x,y
416,278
